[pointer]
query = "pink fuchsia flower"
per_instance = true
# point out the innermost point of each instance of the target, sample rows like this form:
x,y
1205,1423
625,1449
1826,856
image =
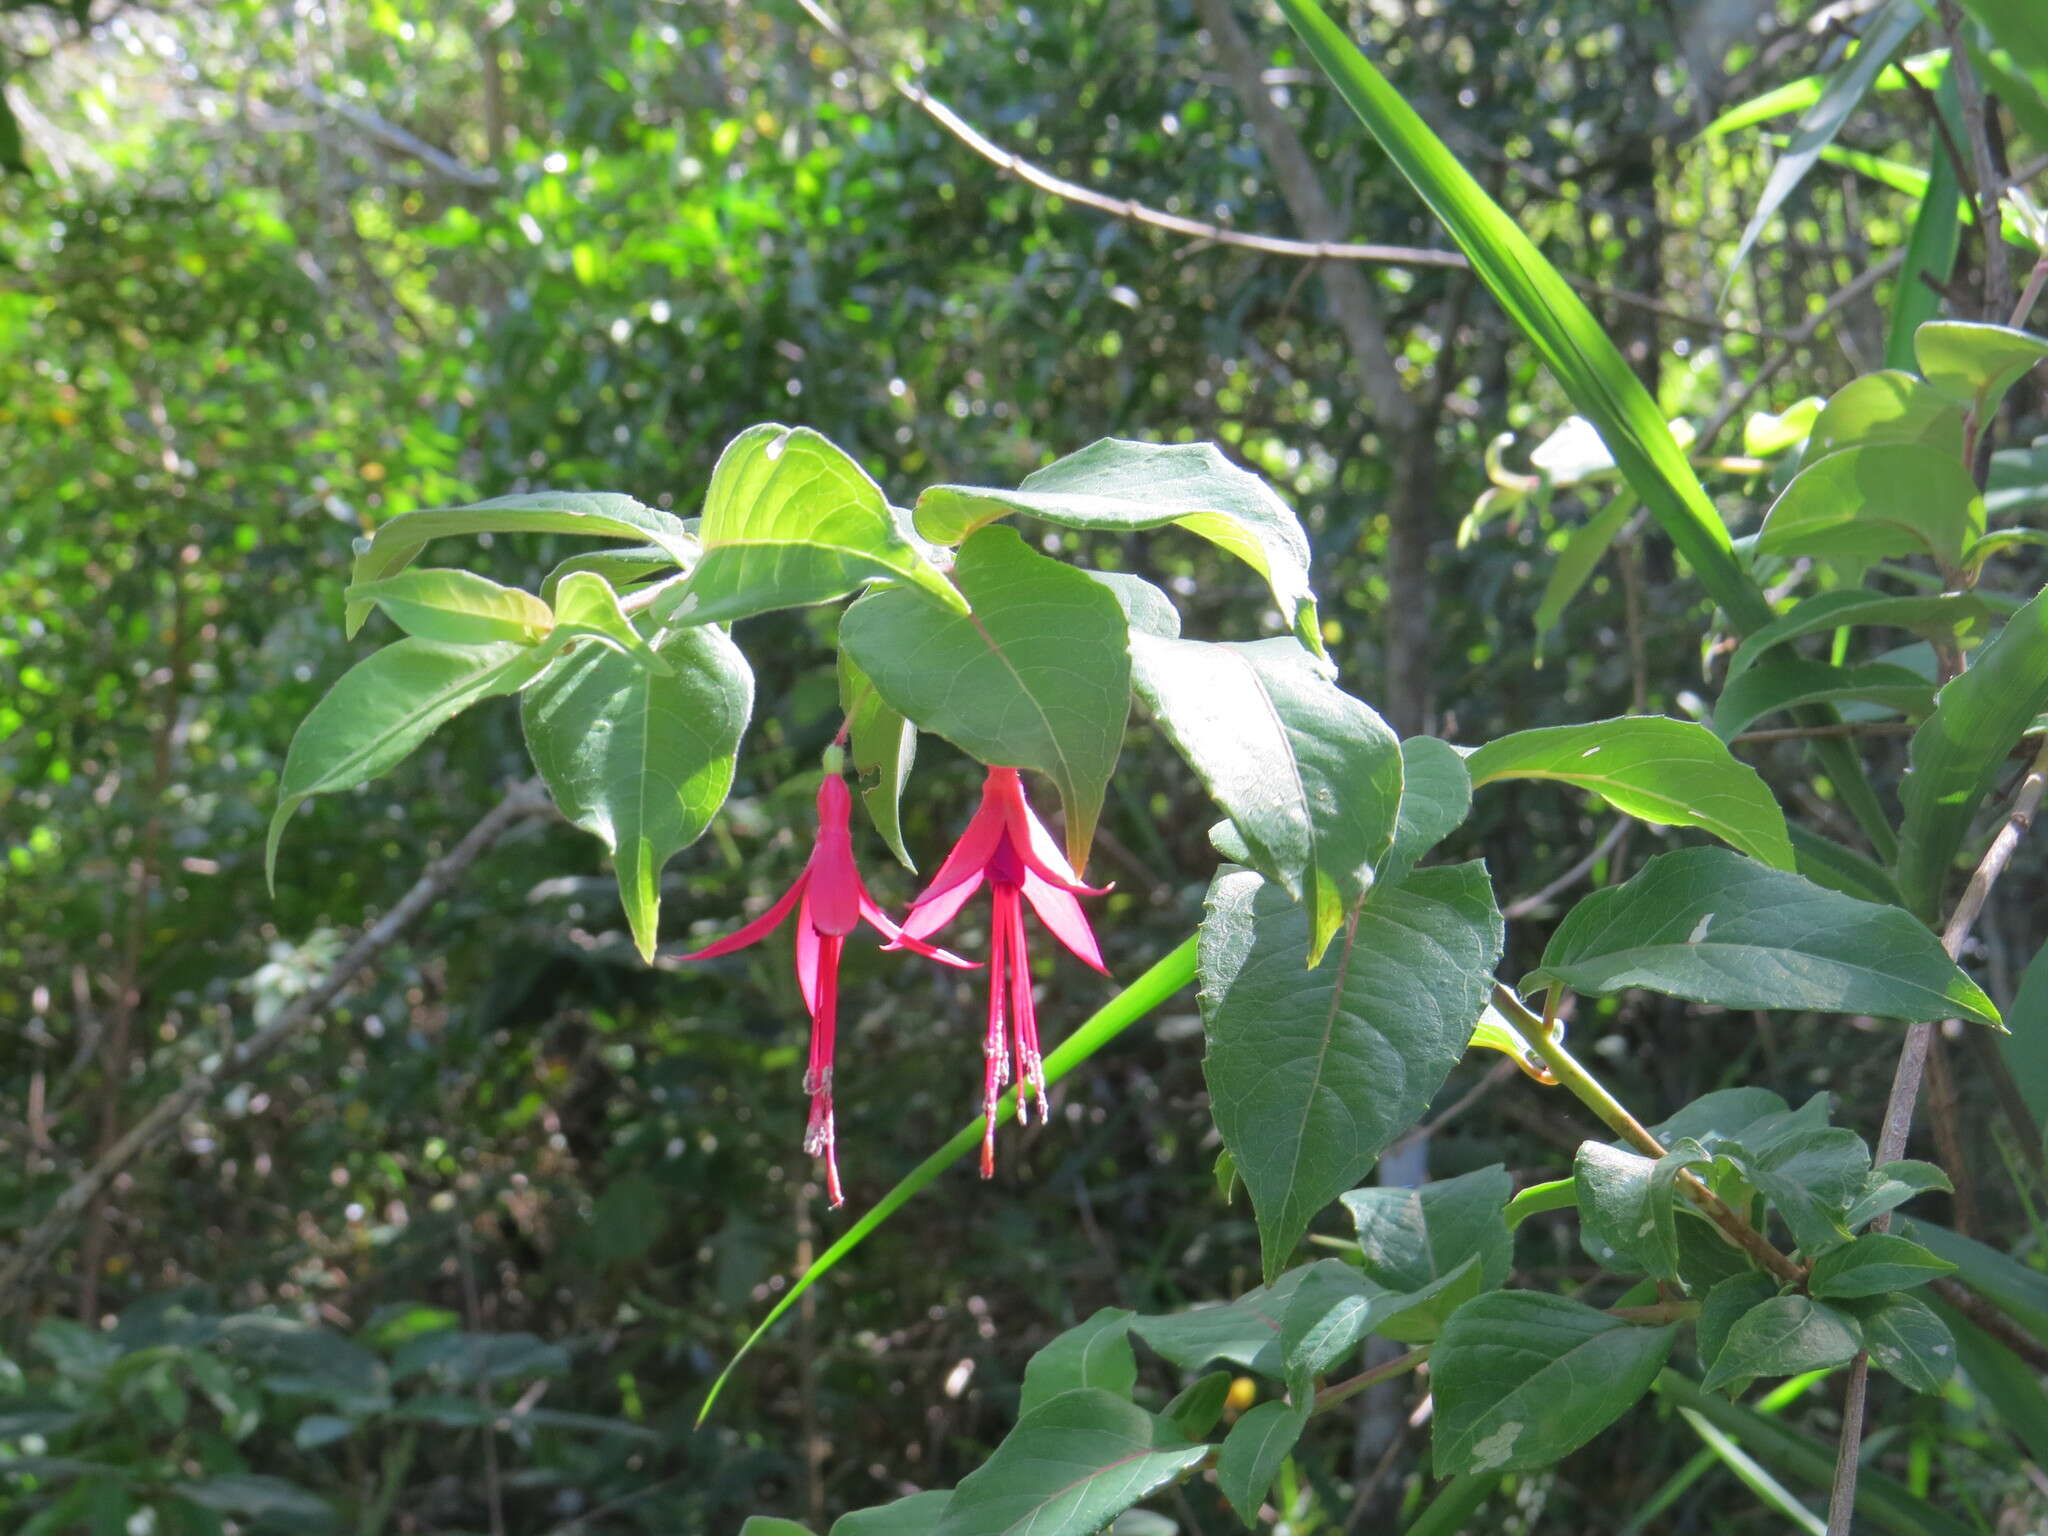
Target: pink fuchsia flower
x,y
1007,846
830,902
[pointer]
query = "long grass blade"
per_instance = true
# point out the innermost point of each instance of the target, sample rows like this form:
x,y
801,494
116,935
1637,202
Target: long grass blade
x,y
1166,977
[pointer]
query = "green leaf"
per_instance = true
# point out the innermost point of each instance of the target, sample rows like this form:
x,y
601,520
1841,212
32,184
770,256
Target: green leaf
x,y
1072,1464
2018,482
1309,776
790,520
1595,376
381,709
585,604
1887,28
1812,1177
1705,1256
457,607
772,1525
1723,1115
1957,755
1712,926
1330,1312
1876,500
1931,247
1580,557
1781,1337
1252,1453
1948,613
2017,1290
1752,1474
1313,1073
2026,1048
1883,1502
2010,1386
1523,1378
624,569
1096,1353
1766,434
1436,797
1118,486
882,746
1038,676
638,759
1826,862
1671,772
1628,1219
1727,1303
1876,1263
1930,68
1245,1332
1976,363
588,514
1887,407
917,1514
1785,682
259,1498
1197,1406
1408,1238
1889,1187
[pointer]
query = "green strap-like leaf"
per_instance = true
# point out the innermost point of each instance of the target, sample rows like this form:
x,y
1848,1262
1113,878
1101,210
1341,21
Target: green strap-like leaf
x,y
791,520
1786,682
640,759
1313,1073
1121,486
882,746
1710,925
1671,772
1039,676
1947,613
1956,757
1593,373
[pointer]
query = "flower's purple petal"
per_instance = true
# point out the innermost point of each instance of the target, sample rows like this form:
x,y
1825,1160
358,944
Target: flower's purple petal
x,y
758,929
898,940
1063,917
809,944
922,922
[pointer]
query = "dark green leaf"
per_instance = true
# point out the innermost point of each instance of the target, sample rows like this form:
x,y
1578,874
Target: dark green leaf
x,y
1781,1337
915,1515
1436,796
1891,1186
1907,1340
2026,1048
1408,1238
1826,862
1715,927
1874,1264
640,760
1119,486
1309,776
1812,1178
1197,1406
1785,682
1072,1464
1725,1305
1312,1073
1038,677
1252,1453
1096,1353
1523,1378
1245,1332
1947,613
1670,772
1628,1206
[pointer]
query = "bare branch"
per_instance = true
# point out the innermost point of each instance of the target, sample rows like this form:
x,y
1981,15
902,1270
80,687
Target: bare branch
x,y
44,1238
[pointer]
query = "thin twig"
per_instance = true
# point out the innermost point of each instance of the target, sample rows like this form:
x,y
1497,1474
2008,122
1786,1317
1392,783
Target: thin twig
x,y
43,1239
1898,1110
1993,1322
1522,906
1135,212
1847,294
1821,732
1592,1093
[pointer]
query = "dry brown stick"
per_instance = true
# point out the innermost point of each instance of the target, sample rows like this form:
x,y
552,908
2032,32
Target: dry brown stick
x,y
1898,1111
44,1238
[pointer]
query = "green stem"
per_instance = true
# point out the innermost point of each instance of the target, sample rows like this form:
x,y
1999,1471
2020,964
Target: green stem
x,y
1592,1093
1165,978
